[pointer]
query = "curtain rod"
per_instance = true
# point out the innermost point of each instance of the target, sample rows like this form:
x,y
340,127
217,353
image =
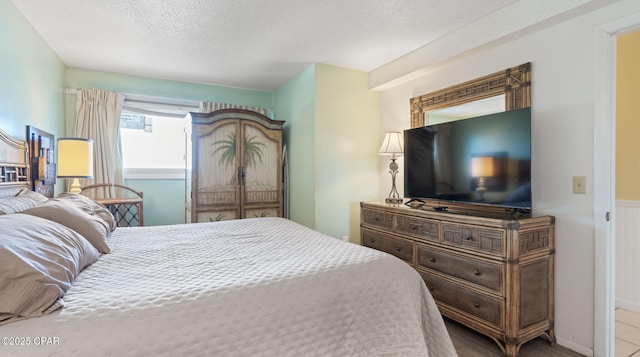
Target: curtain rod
x,y
140,98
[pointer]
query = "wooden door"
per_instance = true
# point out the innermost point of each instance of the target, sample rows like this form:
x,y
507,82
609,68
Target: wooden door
x,y
188,172
215,178
260,171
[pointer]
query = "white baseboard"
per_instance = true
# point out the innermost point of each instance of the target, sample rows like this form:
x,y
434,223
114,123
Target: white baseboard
x,y
627,257
588,352
628,305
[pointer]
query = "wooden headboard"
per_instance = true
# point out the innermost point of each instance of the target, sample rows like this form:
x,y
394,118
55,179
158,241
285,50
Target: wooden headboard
x,y
41,159
14,165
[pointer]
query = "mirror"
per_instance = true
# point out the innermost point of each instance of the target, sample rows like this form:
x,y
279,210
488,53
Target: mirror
x,y
512,87
466,110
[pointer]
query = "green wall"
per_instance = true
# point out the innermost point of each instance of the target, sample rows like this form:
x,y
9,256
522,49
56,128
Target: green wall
x,y
295,103
163,198
80,78
32,77
331,117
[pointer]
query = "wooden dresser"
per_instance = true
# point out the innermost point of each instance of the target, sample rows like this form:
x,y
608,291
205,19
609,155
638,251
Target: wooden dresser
x,y
492,274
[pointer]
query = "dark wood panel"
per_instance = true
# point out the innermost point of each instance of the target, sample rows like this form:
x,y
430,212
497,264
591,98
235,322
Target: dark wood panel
x,y
482,306
534,297
401,248
418,227
476,271
485,240
378,219
42,160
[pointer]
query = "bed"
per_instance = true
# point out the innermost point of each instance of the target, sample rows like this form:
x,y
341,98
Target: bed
x,y
253,287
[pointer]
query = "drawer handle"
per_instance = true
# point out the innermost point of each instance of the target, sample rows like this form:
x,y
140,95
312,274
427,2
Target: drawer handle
x,y
398,249
372,241
468,239
413,227
476,305
432,288
475,272
376,219
432,259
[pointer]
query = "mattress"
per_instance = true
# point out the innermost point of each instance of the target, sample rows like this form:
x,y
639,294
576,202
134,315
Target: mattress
x,y
253,287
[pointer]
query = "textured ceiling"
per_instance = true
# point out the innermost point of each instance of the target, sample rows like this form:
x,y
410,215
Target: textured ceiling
x,y
250,44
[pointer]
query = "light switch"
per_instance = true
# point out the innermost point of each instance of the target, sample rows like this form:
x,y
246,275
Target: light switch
x,y
580,184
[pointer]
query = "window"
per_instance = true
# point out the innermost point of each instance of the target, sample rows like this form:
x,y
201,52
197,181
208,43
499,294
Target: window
x,y
154,146
152,137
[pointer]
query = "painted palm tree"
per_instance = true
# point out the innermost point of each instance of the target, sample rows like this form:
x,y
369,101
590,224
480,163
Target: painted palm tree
x,y
252,152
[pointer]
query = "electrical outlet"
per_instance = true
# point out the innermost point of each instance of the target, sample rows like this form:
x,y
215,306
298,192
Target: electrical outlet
x,y
580,184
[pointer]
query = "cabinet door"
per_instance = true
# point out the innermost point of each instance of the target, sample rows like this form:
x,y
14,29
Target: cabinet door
x,y
260,171
215,175
188,170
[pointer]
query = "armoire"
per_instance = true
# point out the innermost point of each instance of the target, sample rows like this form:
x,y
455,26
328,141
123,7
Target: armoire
x,y
234,166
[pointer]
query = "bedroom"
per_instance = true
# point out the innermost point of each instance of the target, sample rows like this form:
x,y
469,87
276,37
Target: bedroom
x,y
34,80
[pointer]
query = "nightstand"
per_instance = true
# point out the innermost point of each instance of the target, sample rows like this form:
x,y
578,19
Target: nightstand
x,y
127,211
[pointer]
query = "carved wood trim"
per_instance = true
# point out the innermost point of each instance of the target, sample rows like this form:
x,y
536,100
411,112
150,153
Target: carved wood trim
x,y
14,165
514,83
42,160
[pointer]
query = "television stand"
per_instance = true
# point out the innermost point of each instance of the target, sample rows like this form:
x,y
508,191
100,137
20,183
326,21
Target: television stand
x,y
489,272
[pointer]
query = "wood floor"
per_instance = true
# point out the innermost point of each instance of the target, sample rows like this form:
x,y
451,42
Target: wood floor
x,y
469,343
627,333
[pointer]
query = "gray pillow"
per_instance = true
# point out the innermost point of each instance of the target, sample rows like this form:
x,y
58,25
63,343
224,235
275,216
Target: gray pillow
x,y
89,205
90,225
40,259
25,199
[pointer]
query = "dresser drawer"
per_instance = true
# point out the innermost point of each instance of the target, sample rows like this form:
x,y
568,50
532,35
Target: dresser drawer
x,y
476,271
418,227
481,306
378,219
399,247
474,238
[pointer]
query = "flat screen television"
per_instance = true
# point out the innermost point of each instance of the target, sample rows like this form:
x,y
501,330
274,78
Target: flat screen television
x,y
481,160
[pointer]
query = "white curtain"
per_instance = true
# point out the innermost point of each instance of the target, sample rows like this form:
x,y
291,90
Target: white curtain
x,y
98,118
208,107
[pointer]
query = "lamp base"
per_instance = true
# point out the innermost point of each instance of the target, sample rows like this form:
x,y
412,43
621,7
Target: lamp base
x,y
393,201
75,186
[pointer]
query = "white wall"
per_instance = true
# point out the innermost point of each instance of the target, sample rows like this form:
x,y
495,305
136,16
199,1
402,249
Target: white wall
x,y
563,89
627,253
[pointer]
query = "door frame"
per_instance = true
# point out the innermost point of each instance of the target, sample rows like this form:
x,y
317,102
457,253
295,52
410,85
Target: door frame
x,y
604,180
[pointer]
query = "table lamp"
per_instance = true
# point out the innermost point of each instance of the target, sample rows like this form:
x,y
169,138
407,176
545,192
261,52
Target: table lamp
x,y
393,145
75,160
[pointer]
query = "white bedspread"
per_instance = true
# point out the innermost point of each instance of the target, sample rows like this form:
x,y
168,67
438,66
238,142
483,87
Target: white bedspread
x,y
254,287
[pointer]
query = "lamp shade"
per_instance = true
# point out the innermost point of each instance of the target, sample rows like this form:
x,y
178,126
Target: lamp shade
x,y
75,158
482,166
393,143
